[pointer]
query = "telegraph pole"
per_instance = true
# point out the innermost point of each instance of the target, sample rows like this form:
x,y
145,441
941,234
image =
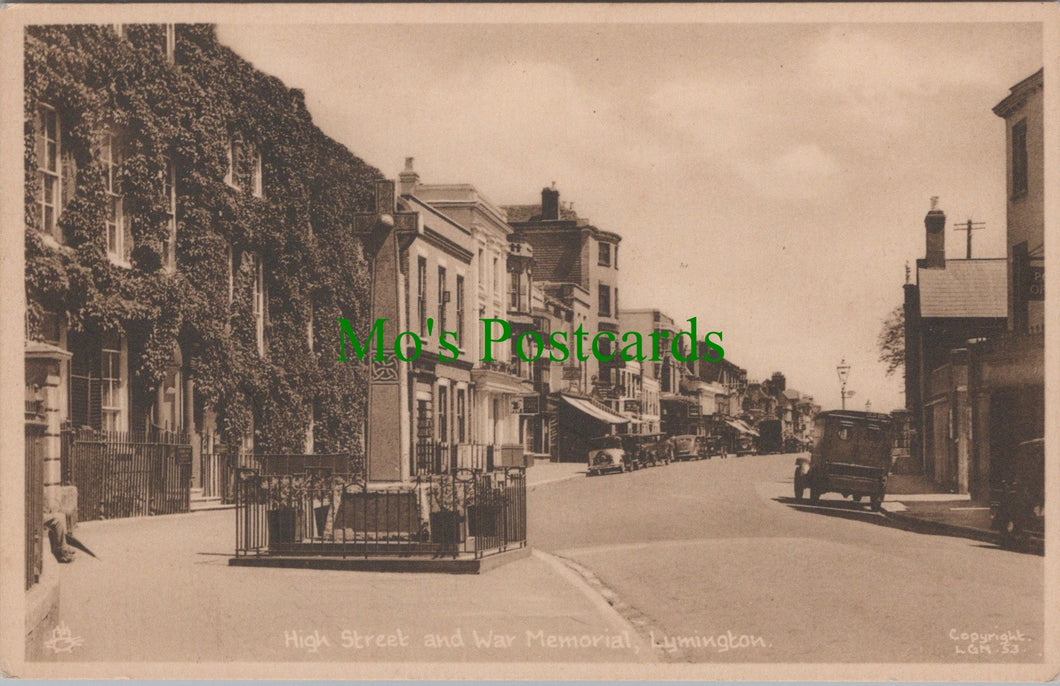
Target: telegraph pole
x,y
968,227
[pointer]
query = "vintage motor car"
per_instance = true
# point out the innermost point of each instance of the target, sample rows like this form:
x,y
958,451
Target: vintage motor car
x,y
1018,506
851,455
711,446
745,445
688,447
608,454
652,449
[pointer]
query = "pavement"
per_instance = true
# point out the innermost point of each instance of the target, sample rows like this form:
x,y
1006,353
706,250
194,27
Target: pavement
x,y
915,502
161,590
546,472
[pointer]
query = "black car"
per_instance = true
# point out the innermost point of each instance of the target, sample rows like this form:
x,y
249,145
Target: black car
x,y
1018,505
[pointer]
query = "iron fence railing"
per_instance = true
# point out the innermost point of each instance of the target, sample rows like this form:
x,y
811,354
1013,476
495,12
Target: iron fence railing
x,y
34,530
317,511
445,458
127,473
217,470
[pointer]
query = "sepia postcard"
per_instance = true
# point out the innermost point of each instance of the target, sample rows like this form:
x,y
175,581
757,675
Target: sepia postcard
x,y
522,341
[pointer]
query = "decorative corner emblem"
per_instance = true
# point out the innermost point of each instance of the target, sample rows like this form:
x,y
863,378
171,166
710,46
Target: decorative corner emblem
x,y
63,640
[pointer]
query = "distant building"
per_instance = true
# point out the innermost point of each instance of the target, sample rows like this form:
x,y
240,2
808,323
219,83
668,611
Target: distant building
x,y
569,250
951,302
576,266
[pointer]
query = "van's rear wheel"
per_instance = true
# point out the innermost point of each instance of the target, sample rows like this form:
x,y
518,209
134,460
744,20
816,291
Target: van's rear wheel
x,y
800,487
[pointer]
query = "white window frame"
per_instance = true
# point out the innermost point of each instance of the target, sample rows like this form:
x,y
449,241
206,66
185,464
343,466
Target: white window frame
x,y
421,294
169,185
259,301
461,415
231,273
113,389
230,175
256,182
110,157
49,169
171,43
310,430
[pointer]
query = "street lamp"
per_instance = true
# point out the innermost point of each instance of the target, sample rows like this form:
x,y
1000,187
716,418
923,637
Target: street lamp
x,y
843,370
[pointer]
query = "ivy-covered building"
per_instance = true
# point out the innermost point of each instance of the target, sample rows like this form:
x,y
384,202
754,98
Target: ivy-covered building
x,y
188,243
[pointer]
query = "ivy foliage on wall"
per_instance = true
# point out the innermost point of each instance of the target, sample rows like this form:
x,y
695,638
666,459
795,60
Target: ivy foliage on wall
x,y
187,110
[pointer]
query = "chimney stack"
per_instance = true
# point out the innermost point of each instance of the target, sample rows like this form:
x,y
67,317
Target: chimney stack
x,y
935,225
408,179
550,203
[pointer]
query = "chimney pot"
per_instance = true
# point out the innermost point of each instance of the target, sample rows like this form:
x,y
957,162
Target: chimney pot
x,y
408,179
549,203
935,233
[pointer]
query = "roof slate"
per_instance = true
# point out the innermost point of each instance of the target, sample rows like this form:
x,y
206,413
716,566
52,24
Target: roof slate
x,y
965,288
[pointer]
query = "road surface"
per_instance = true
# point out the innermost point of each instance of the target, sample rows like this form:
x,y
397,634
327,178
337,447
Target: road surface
x,y
717,563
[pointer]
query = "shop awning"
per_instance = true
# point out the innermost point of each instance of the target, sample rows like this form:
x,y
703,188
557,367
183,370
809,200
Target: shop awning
x,y
740,426
596,412
747,428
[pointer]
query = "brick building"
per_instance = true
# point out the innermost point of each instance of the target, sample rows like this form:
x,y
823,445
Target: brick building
x,y
951,302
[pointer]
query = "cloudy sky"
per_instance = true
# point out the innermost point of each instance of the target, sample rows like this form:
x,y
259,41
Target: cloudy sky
x,y
770,180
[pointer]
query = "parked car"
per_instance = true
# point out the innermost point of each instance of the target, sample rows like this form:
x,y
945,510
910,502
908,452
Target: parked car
x,y
851,455
1018,506
745,445
711,446
648,449
687,447
607,454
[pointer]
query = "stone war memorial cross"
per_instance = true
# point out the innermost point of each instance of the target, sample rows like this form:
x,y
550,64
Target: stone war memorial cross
x,y
383,231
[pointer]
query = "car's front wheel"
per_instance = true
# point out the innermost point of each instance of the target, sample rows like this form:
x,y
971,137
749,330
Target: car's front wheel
x,y
1011,533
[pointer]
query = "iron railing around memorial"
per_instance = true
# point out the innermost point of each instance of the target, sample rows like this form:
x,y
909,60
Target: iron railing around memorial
x,y
433,457
127,473
303,507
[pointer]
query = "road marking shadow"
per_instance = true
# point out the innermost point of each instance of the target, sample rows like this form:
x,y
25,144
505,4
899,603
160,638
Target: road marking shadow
x,y
836,508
